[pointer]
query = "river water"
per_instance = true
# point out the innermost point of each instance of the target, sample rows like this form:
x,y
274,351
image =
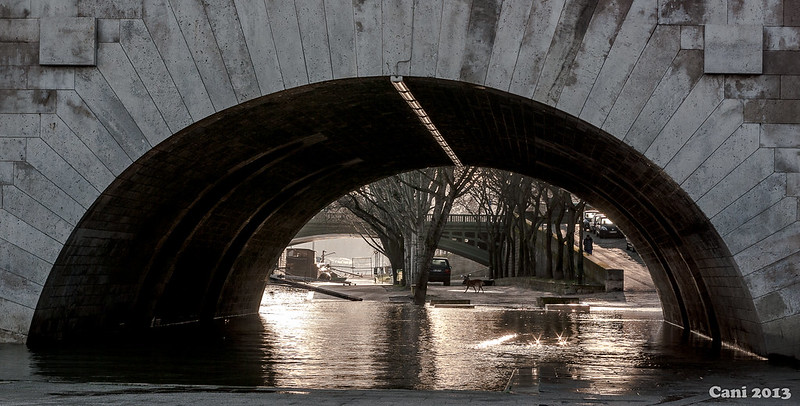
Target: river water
x,y
302,343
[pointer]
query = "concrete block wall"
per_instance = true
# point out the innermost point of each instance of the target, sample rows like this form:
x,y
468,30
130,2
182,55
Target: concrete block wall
x,y
657,74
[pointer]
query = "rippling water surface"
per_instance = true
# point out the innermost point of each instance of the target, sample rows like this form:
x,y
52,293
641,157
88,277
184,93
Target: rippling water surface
x,y
301,343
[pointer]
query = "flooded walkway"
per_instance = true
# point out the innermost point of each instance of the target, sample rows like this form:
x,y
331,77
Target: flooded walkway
x,y
313,349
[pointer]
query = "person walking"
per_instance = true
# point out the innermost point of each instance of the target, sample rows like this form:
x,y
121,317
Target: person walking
x,y
587,244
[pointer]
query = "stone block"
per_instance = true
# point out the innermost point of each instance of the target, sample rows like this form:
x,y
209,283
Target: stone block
x,y
734,49
759,12
12,149
13,77
790,87
780,135
18,53
791,13
107,30
46,77
793,185
692,37
61,8
19,125
692,12
781,62
68,41
19,30
772,111
753,87
15,8
27,101
787,160
781,38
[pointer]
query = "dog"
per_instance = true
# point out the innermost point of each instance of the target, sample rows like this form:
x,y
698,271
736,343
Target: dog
x,y
475,284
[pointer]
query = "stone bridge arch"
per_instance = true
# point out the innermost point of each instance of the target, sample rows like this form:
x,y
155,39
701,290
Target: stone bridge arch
x,y
148,147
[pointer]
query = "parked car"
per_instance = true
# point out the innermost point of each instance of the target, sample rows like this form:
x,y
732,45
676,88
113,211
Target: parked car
x,y
607,228
439,271
596,222
588,217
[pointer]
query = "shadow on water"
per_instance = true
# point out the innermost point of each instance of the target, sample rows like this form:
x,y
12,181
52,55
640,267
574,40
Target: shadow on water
x,y
300,343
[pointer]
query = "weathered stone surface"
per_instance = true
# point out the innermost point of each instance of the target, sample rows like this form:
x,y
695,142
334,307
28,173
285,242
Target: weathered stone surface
x,y
19,125
76,114
791,13
261,46
693,112
543,21
369,40
692,37
780,244
78,154
13,77
165,32
207,55
628,45
95,91
121,76
780,135
717,128
567,39
600,35
22,234
761,12
787,160
108,30
647,74
793,187
19,30
60,172
510,32
12,149
781,38
15,9
17,321
480,36
45,77
753,87
23,263
751,204
316,47
751,172
678,81
427,25
790,87
772,111
692,12
34,184
733,49
141,52
27,101
111,9
781,62
776,217
68,41
19,53
29,210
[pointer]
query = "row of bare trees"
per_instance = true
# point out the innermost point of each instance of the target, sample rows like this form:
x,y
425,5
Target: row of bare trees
x,y
518,210
521,212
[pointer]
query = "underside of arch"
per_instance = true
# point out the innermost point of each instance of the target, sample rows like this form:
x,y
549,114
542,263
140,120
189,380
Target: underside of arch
x,y
189,232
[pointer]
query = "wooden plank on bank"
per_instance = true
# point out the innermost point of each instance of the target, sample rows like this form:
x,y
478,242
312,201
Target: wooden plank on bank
x,y
314,288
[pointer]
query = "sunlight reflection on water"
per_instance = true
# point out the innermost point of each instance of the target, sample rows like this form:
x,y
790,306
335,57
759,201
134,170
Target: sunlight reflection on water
x,y
319,343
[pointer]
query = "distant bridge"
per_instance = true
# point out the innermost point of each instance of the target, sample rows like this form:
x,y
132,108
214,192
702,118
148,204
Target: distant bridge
x,y
462,233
